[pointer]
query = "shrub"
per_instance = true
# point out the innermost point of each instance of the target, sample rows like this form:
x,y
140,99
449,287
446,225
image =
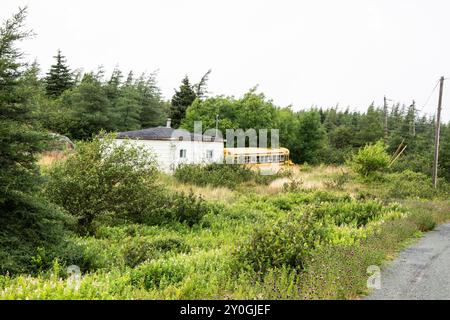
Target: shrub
x,y
158,274
222,175
370,160
185,208
351,212
338,181
140,250
30,228
287,243
103,179
423,220
409,184
293,185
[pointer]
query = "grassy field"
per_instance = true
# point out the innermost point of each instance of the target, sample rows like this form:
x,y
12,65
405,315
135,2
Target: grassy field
x,y
250,244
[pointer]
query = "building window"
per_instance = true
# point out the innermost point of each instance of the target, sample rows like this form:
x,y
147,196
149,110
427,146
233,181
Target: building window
x,y
182,153
209,154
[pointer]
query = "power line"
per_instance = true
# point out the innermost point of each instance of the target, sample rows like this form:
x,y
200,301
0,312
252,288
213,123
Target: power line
x,y
431,94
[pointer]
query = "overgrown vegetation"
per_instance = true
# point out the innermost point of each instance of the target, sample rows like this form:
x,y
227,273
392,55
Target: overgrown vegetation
x,y
370,160
307,233
223,175
104,182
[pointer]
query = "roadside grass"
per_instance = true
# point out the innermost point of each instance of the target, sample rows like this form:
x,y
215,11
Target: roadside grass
x,y
341,272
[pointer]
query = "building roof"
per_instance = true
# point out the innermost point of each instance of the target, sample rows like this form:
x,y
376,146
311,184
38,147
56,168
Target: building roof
x,y
164,133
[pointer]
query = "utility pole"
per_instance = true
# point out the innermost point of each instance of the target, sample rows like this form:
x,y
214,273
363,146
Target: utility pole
x,y
437,133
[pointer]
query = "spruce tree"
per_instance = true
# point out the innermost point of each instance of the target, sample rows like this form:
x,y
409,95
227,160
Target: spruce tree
x,y
27,222
181,100
90,108
59,78
154,109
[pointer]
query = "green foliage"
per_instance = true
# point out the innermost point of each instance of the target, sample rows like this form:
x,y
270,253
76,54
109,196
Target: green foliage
x,y
27,222
370,159
104,182
424,221
221,175
181,100
355,213
252,111
90,110
409,184
291,240
158,274
310,137
59,78
101,180
142,249
338,181
286,243
183,208
293,185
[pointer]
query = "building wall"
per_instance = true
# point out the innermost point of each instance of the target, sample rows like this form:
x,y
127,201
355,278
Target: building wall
x,y
167,152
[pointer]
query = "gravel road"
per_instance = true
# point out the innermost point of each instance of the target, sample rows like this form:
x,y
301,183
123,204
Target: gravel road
x,y
421,272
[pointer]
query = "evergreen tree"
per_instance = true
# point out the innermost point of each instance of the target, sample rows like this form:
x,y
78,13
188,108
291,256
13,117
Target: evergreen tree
x,y
113,85
26,221
154,111
370,127
311,137
181,100
59,78
200,88
89,107
127,109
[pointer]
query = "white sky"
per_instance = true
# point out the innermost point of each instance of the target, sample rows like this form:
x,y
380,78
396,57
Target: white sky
x,y
304,53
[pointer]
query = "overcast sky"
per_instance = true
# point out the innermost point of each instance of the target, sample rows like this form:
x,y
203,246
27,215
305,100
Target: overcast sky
x,y
304,53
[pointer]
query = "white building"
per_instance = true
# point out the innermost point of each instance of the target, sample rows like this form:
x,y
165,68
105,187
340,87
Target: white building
x,y
173,147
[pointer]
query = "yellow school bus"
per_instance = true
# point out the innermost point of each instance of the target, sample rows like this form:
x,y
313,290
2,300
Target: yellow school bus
x,y
259,158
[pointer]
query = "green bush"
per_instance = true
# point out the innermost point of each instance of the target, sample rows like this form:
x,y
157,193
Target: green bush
x,y
286,243
101,179
104,183
351,212
158,274
139,250
370,160
409,184
222,175
423,220
184,208
338,181
33,234
293,185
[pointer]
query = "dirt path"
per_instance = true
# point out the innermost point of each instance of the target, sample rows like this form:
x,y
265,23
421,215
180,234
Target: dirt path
x,y
420,272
